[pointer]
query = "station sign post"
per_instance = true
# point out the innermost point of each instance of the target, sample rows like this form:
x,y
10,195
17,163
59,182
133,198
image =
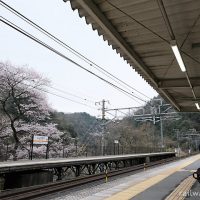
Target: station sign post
x,y
37,139
116,142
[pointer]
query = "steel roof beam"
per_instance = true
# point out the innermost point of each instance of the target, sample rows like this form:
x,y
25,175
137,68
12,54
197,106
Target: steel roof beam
x,y
170,30
166,19
187,99
178,83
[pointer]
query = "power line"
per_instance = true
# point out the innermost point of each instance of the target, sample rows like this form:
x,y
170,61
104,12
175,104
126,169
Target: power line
x,y
110,114
69,93
57,95
73,51
122,113
17,28
86,140
65,98
68,99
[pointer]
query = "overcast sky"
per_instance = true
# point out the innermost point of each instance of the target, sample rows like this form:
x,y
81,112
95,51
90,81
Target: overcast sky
x,y
58,18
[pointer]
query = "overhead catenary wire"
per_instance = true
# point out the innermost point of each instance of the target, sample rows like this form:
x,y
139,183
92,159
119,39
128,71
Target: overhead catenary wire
x,y
116,110
57,95
110,114
17,28
86,140
57,40
59,90
68,99
71,94
74,101
122,112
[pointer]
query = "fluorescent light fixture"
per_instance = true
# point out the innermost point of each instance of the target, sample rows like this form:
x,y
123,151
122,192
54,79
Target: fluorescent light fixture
x,y
177,55
197,105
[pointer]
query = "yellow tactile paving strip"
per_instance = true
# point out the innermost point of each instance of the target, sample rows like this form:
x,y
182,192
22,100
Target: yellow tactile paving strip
x,y
142,186
182,189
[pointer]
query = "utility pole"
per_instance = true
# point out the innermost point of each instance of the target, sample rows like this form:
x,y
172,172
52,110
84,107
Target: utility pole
x,y
177,131
103,104
103,109
161,132
155,113
161,120
76,144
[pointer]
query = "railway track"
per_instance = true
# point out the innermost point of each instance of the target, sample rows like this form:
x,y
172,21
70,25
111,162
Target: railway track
x,y
41,190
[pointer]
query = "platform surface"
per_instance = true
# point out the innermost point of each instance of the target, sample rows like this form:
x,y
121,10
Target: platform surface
x,y
159,183
152,184
29,164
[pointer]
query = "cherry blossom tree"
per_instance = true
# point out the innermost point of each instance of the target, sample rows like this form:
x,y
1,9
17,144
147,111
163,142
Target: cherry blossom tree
x,y
24,108
47,129
3,136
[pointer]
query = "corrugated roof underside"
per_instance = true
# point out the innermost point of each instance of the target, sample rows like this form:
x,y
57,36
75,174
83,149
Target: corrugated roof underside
x,y
150,38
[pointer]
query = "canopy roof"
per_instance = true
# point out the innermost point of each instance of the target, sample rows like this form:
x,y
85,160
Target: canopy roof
x,y
141,32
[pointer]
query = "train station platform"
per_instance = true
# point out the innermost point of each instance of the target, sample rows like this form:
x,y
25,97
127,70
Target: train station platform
x,y
169,181
37,172
23,165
